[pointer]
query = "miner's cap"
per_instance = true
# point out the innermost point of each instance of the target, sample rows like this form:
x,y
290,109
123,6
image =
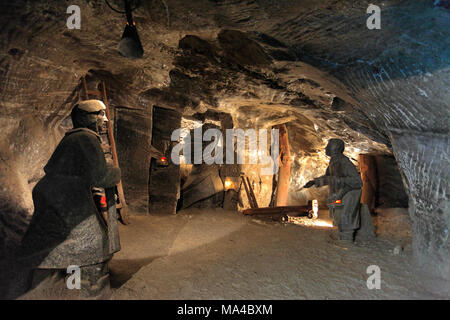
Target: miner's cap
x,y
91,105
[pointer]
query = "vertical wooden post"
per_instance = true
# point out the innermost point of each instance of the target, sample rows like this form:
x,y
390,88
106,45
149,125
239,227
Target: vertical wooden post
x,y
86,95
284,173
368,176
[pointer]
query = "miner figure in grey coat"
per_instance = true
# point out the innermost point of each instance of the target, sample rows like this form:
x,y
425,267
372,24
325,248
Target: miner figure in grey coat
x,y
66,228
345,185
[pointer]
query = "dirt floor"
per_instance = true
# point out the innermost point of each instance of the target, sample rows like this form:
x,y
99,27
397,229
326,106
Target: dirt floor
x,y
218,254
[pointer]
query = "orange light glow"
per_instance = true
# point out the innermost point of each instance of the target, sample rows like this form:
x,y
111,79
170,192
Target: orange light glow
x,y
228,184
163,159
337,202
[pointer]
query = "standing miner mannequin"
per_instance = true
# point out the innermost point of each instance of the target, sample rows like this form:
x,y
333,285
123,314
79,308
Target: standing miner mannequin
x,y
66,228
345,185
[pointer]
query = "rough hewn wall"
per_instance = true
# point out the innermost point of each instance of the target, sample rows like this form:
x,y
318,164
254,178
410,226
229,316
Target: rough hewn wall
x,y
425,165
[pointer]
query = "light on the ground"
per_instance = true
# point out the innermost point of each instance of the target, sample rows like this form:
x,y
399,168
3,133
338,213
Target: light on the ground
x,y
304,221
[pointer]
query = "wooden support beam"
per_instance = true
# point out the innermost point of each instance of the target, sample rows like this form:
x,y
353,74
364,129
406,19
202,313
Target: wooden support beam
x,y
367,167
284,173
86,94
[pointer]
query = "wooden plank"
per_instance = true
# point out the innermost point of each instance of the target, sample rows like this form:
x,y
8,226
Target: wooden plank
x,y
95,92
275,210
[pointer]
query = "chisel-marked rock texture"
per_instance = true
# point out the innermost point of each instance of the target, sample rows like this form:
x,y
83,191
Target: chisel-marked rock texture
x,y
312,64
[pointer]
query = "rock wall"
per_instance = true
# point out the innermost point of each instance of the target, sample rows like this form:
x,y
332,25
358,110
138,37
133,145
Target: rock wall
x,y
424,163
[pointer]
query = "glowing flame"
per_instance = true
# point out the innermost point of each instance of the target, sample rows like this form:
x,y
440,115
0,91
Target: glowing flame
x,y
228,184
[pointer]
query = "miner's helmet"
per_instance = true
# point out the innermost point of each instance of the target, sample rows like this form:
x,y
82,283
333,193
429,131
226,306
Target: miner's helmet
x,y
92,106
89,114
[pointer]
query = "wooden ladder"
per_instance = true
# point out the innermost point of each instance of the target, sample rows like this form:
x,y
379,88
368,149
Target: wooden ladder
x,y
110,148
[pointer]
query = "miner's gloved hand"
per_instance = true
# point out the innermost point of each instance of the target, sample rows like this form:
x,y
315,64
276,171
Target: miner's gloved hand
x,y
322,181
336,196
309,184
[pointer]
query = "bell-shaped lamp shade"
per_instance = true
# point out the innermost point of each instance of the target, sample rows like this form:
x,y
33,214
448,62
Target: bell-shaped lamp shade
x,y
130,46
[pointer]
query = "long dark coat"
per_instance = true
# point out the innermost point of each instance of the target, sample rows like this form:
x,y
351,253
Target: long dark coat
x,y
345,184
66,227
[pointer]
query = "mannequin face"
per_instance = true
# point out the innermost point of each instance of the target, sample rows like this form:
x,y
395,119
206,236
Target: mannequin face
x,y
95,121
100,120
91,120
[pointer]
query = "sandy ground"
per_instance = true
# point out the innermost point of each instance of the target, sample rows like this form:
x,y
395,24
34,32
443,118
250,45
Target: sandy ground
x,y
218,254
225,255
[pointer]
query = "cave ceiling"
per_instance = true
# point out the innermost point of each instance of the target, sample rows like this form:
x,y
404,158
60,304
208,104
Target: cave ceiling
x,y
311,63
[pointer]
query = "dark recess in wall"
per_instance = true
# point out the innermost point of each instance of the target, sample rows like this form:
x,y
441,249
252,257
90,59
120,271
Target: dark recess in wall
x,y
390,192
